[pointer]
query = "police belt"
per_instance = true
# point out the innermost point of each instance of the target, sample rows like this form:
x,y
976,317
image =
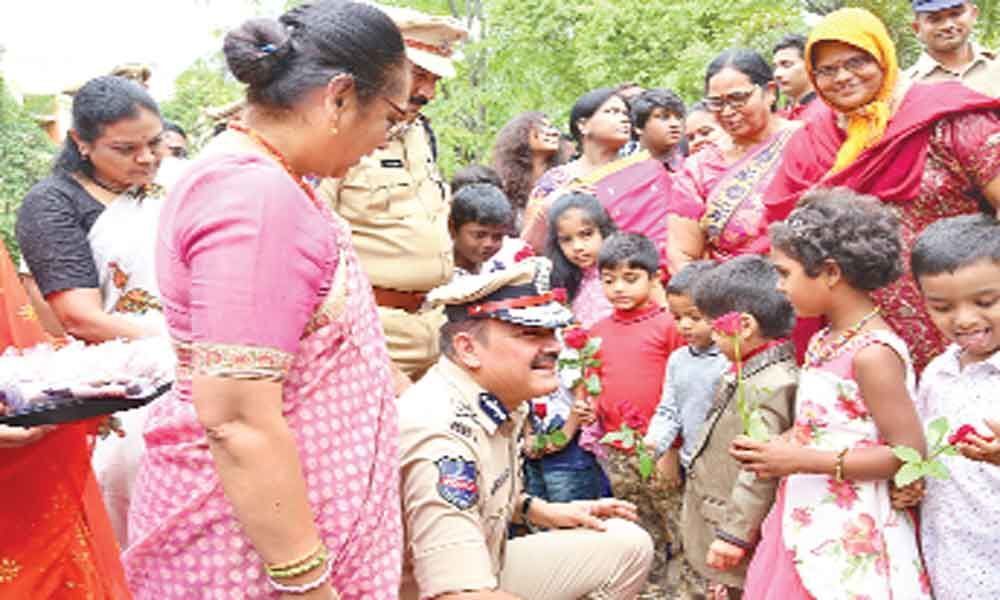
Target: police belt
x,y
407,301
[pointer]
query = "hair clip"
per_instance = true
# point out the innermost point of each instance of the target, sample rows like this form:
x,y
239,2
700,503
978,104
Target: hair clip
x,y
267,48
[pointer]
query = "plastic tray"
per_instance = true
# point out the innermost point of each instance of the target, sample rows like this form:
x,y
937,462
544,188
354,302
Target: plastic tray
x,y
67,410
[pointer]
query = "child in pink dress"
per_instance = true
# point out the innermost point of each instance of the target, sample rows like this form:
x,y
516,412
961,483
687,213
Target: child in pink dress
x,y
832,533
578,226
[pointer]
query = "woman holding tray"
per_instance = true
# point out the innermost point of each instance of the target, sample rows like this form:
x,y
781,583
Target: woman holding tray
x,y
56,536
87,234
271,470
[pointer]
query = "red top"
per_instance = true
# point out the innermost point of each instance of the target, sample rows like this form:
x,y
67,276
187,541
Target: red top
x,y
635,346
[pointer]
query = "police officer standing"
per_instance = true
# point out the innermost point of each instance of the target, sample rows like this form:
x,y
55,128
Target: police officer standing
x,y
945,28
397,203
461,484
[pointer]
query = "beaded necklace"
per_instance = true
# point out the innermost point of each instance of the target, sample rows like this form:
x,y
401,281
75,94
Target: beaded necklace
x,y
107,185
280,158
820,352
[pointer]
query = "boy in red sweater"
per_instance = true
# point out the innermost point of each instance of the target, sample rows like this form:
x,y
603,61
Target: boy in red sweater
x,y
636,341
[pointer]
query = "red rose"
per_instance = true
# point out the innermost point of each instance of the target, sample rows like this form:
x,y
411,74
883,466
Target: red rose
x,y
634,419
524,253
728,324
541,410
576,338
961,435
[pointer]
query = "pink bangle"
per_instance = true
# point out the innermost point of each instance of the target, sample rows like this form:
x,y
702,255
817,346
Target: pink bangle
x,y
305,588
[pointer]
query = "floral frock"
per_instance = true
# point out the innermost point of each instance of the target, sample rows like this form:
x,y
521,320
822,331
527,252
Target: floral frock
x,y
845,539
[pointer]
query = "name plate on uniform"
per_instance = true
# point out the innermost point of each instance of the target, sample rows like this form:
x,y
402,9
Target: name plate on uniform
x,y
392,163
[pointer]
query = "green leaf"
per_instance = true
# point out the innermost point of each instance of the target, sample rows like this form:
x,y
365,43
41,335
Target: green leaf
x,y
757,429
937,430
558,438
936,469
539,442
594,363
950,451
907,474
907,454
592,346
645,465
593,385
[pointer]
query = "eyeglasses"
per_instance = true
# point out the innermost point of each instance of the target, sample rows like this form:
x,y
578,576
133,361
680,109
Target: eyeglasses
x,y
397,108
734,100
395,126
855,65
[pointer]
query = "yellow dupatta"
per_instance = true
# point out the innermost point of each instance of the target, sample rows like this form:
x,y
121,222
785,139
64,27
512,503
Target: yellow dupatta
x,y
863,30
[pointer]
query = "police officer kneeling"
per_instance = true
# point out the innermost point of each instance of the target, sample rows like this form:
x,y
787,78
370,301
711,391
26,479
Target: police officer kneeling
x,y
461,485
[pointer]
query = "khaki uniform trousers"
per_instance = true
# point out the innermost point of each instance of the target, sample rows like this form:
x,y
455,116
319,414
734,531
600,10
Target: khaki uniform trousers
x,y
413,338
569,564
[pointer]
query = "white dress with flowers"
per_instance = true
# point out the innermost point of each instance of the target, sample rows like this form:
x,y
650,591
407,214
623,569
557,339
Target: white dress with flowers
x,y
847,541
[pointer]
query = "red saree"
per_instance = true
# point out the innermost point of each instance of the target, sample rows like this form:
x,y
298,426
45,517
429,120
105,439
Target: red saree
x,y
940,148
57,542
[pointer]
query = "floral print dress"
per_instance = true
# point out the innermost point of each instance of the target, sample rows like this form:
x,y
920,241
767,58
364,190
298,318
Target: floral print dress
x,y
844,538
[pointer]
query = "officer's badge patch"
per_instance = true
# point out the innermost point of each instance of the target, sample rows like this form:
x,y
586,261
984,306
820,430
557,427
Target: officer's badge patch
x,y
457,481
461,429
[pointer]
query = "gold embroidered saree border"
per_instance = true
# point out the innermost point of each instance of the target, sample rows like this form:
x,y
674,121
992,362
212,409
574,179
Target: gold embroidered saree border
x,y
231,360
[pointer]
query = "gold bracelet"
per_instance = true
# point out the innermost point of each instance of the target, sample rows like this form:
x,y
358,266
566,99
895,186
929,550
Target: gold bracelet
x,y
316,562
838,471
320,548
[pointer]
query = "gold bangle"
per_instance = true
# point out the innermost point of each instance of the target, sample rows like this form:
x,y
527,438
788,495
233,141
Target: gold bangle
x,y
316,562
320,548
838,471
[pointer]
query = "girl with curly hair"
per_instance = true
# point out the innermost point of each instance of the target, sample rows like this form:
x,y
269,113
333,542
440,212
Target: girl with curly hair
x,y
526,147
832,533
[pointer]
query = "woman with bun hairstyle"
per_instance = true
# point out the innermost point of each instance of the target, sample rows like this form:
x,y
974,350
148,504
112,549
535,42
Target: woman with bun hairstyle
x,y
272,469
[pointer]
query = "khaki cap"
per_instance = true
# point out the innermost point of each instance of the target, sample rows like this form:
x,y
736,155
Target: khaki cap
x,y
430,39
134,71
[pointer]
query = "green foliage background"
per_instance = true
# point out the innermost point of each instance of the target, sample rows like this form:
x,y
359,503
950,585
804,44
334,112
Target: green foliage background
x,y
205,84
25,157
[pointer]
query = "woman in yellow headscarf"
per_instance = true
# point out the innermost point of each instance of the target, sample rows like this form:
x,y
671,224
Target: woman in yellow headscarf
x,y
930,151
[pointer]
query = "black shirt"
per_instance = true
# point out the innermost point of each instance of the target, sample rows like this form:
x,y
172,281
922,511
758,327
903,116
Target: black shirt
x,y
52,226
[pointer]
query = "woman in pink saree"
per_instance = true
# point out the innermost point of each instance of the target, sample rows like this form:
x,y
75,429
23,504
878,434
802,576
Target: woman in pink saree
x,y
272,470
717,209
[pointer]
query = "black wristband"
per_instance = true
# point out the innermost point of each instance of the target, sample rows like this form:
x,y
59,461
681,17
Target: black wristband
x,y
526,506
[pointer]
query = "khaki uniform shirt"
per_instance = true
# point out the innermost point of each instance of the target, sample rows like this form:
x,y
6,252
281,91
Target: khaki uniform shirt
x,y
460,484
982,74
397,205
